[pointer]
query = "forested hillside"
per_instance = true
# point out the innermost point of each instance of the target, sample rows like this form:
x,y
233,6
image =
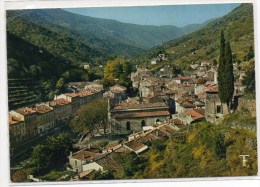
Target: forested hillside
x,y
109,35
203,44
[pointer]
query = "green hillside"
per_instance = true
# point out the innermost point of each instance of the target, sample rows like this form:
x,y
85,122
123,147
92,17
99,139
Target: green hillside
x,y
57,43
203,44
41,70
106,34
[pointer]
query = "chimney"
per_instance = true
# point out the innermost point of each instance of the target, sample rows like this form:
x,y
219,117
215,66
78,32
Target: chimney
x,y
70,153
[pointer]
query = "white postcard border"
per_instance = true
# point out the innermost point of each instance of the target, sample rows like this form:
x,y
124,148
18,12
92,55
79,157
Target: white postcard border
x,y
34,4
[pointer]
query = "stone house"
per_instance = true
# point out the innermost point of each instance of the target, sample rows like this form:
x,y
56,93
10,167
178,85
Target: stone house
x,y
87,96
45,118
172,85
214,109
190,116
186,87
79,159
140,141
29,116
62,109
73,98
183,79
17,130
93,86
133,115
198,88
182,106
116,94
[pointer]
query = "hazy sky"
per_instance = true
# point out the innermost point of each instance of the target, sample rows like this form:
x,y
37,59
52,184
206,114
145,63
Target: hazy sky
x,y
178,15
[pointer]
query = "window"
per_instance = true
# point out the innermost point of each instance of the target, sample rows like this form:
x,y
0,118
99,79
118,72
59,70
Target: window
x,y
218,109
143,123
157,120
128,125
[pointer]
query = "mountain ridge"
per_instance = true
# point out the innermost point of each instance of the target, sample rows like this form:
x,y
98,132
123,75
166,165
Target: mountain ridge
x,y
139,36
203,44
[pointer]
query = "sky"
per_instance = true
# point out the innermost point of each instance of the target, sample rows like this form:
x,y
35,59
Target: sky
x,y
177,15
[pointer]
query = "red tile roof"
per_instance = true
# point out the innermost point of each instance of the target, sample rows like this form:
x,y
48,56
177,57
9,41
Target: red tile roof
x,y
177,121
142,114
202,95
195,114
84,154
25,111
183,78
72,95
135,145
13,120
42,109
211,87
137,105
58,102
85,93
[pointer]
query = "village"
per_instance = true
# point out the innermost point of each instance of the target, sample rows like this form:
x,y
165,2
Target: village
x,y
165,106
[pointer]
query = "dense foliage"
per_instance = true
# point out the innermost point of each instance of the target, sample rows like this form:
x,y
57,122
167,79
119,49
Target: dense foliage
x,y
208,151
249,68
48,72
50,155
117,71
105,35
91,116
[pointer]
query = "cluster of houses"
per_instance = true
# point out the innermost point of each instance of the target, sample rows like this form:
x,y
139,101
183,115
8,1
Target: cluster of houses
x,y
185,99
29,122
93,158
165,105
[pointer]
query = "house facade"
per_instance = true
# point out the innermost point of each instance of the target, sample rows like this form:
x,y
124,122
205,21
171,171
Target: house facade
x,y
133,115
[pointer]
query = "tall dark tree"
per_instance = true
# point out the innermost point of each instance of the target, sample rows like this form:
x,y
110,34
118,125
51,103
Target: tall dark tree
x,y
225,72
221,68
229,74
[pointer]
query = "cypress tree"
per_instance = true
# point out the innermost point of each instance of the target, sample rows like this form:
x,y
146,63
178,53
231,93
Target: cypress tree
x,y
229,75
225,72
221,68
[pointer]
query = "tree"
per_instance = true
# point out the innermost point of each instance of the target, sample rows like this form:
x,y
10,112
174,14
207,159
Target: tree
x,y
99,175
229,74
250,54
249,78
225,72
214,62
117,71
91,116
50,155
220,147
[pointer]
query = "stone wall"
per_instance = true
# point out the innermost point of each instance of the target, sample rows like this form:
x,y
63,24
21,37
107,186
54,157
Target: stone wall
x,y
213,108
135,124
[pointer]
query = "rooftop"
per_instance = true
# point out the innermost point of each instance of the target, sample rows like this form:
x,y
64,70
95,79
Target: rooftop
x,y
85,155
13,120
211,87
196,114
143,114
58,102
135,145
25,111
134,104
42,109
